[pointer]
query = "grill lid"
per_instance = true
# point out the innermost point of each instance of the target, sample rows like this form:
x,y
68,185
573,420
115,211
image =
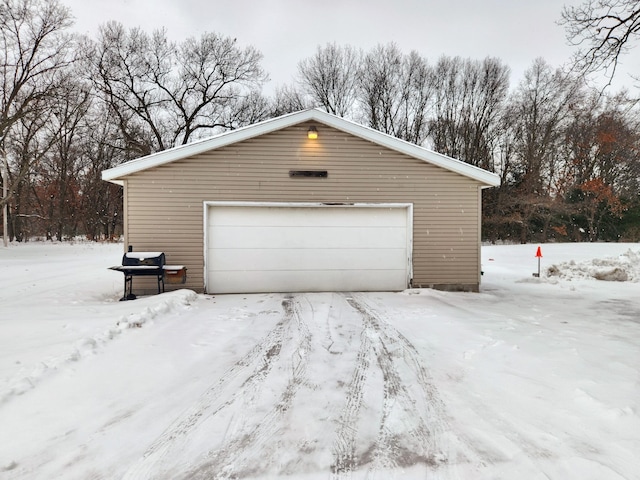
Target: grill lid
x,y
156,259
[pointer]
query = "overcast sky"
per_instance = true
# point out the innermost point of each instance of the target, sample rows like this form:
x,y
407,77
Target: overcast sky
x,y
287,31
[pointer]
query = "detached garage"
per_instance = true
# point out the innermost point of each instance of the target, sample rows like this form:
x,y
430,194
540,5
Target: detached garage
x,y
306,202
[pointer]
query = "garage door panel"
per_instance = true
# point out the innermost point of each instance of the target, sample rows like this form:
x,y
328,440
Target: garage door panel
x,y
268,237
307,248
298,259
300,216
314,281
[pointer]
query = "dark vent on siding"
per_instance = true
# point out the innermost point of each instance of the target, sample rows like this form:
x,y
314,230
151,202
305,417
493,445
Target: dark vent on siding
x,y
309,173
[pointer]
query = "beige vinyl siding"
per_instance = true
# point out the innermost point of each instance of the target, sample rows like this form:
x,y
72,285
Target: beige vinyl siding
x,y
164,205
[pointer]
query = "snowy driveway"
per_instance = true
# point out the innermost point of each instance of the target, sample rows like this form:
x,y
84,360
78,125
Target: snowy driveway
x,y
330,386
529,379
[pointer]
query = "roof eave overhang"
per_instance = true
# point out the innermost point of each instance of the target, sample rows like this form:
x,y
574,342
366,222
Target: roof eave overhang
x,y
116,174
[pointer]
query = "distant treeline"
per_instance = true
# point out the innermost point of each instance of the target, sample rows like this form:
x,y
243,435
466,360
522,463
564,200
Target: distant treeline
x,y
72,106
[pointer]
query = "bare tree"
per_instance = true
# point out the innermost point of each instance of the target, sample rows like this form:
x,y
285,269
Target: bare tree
x,y
34,53
396,93
165,94
101,202
248,109
604,29
538,114
288,99
59,171
27,144
470,97
331,78
602,142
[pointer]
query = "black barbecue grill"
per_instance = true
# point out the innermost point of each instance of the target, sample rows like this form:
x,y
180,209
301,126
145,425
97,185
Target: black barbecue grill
x,y
148,264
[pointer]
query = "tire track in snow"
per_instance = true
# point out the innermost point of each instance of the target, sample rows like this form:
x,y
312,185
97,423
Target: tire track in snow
x,y
262,355
344,448
412,437
426,410
247,443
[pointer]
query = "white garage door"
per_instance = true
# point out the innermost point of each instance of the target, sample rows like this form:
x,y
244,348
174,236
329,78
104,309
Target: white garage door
x,y
307,248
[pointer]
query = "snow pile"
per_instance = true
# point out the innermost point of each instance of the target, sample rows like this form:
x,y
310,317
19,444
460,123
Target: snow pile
x,y
89,346
623,268
136,320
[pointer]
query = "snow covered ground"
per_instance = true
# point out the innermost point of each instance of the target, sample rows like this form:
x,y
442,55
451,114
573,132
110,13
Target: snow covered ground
x,y
529,379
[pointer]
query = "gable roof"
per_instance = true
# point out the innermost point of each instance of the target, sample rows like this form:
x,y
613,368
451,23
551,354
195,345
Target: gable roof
x,y
115,174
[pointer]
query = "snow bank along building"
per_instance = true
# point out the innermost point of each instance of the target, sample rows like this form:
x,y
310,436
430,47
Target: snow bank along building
x,y
306,202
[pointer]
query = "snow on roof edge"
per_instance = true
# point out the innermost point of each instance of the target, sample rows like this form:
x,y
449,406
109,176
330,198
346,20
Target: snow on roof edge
x,y
116,174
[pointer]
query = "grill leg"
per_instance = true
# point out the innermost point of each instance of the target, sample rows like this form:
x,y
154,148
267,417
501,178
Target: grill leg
x,y
128,287
161,283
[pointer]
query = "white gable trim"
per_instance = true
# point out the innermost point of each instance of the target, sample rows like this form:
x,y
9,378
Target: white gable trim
x,y
116,174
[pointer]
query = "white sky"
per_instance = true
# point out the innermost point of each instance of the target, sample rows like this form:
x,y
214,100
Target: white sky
x,y
287,31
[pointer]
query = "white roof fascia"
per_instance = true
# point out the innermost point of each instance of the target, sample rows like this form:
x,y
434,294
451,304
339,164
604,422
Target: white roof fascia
x,y
167,156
